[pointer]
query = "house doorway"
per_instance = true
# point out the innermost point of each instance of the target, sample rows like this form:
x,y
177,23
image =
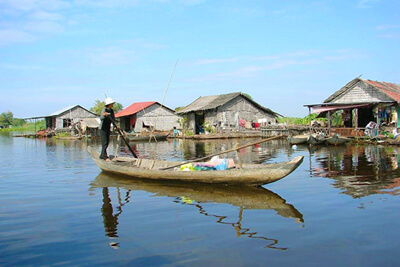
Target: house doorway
x,y
199,121
365,115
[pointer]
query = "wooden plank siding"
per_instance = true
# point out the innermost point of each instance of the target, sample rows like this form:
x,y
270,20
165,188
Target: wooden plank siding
x,y
361,93
75,115
166,120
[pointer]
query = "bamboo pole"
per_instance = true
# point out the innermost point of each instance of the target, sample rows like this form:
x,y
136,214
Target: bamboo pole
x,y
162,102
224,152
123,138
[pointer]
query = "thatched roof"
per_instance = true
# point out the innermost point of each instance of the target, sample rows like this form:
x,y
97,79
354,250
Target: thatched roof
x,y
204,103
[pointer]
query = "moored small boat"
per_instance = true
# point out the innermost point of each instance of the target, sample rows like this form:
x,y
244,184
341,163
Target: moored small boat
x,y
337,140
297,139
316,140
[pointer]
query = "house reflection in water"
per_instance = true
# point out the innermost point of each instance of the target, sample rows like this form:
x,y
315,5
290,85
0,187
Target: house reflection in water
x,y
360,170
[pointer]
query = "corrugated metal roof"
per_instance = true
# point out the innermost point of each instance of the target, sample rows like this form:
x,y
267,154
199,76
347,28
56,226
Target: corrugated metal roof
x,y
390,89
61,111
134,108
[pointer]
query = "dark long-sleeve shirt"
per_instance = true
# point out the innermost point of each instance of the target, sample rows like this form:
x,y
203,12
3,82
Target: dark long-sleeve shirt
x,y
105,122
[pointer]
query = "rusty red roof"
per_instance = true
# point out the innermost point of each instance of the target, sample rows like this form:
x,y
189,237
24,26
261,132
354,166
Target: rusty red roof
x,y
390,89
134,108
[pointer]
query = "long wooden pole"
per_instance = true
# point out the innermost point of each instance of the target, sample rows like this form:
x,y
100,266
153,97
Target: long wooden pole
x,y
123,138
224,152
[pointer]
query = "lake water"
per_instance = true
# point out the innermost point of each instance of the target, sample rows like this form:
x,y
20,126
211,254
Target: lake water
x,y
339,208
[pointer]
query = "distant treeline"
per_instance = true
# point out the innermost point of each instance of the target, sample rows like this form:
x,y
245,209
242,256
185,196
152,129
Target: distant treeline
x,y
9,123
300,121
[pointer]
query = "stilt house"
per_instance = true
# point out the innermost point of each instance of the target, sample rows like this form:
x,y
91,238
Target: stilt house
x,y
232,111
146,116
362,105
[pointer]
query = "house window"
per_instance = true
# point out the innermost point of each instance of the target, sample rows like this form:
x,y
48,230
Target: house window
x,y
67,123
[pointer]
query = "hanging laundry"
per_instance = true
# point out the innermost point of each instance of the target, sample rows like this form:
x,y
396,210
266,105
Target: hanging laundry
x,y
242,122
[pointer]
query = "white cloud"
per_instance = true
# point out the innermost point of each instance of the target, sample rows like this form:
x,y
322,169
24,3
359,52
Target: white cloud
x,y
192,2
215,61
141,43
296,54
33,5
389,36
44,27
43,15
111,56
183,2
20,67
8,36
106,3
387,27
388,31
29,20
251,70
343,54
366,3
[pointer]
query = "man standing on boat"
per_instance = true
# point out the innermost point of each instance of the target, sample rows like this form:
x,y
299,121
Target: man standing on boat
x,y
106,117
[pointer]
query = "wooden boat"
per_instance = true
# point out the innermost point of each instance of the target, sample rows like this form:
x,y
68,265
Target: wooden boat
x,y
316,140
249,174
72,138
336,140
253,198
297,139
150,137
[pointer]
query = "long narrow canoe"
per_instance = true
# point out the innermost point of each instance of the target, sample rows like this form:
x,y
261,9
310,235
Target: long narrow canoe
x,y
151,137
249,174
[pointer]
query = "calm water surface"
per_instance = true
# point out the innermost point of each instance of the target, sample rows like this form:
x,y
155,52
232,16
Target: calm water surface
x,y
339,208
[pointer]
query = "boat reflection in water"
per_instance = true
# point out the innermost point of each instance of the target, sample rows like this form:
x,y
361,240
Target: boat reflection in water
x,y
192,194
360,170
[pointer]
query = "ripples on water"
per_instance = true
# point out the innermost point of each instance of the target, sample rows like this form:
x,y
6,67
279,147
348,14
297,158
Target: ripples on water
x,y
340,207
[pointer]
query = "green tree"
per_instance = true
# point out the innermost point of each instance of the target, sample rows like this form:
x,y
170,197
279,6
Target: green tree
x,y
247,95
178,108
18,122
99,105
6,118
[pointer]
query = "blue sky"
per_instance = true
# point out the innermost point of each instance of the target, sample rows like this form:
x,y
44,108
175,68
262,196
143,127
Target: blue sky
x,y
287,53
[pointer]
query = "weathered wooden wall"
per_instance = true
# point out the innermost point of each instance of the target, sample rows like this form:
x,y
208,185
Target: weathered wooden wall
x,y
239,108
230,113
75,114
165,122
